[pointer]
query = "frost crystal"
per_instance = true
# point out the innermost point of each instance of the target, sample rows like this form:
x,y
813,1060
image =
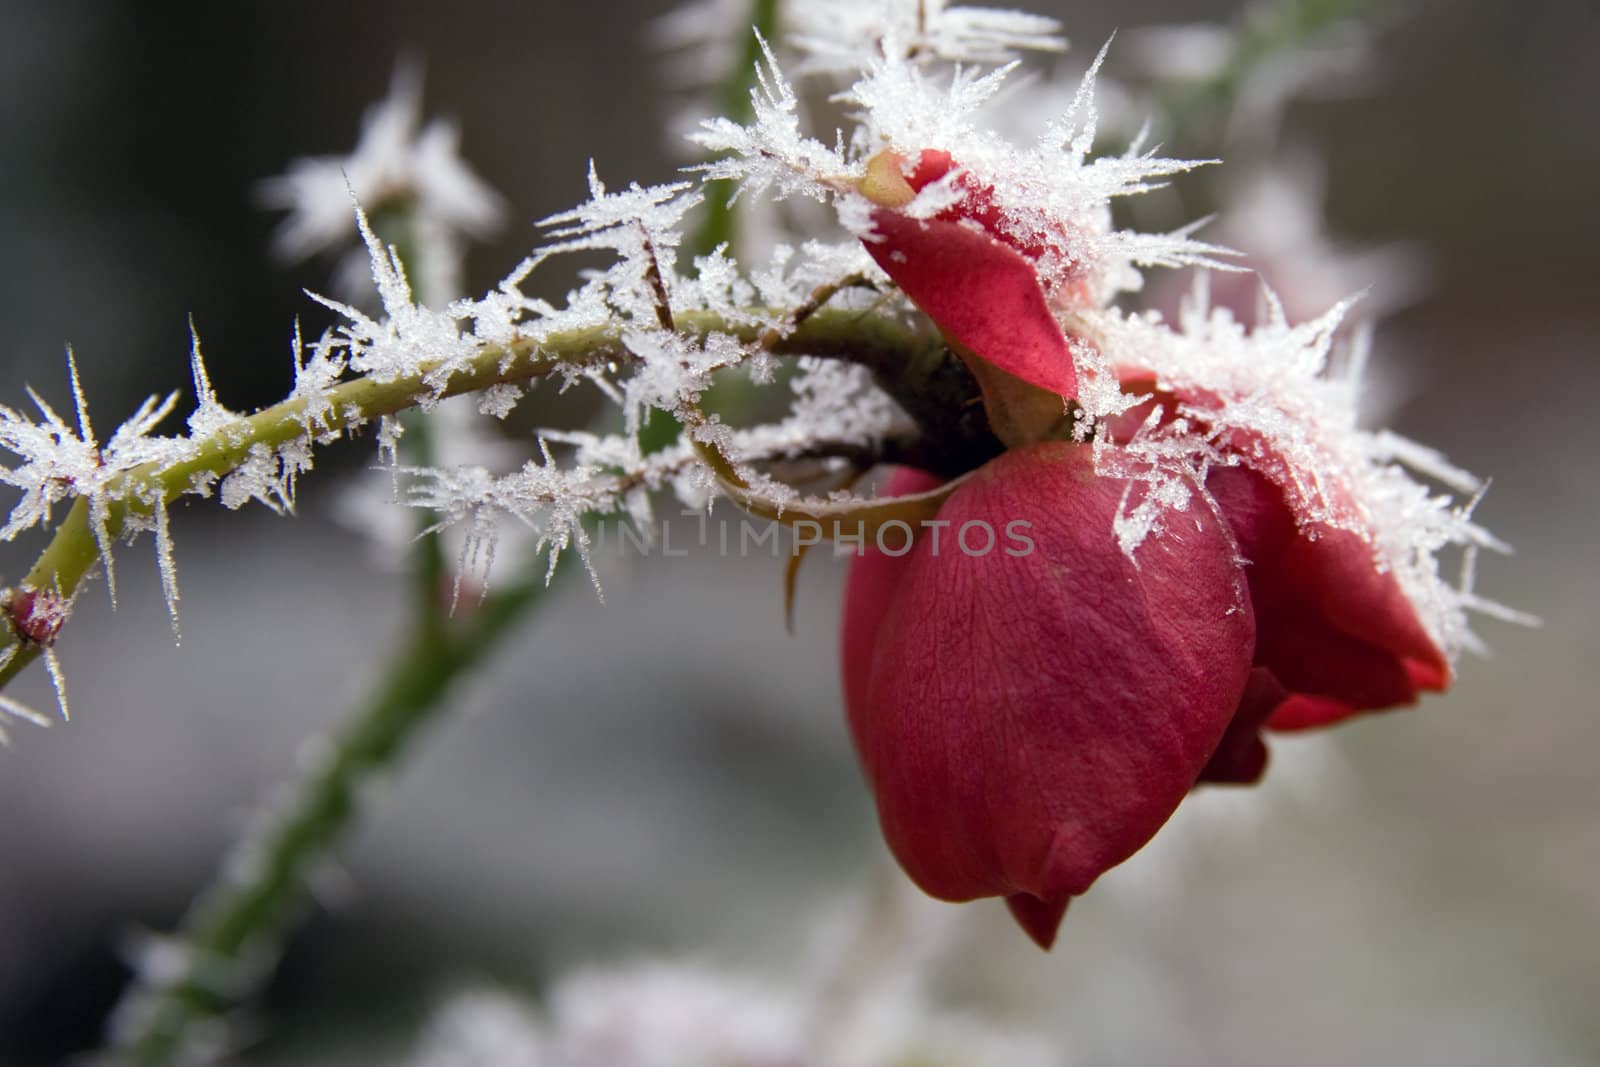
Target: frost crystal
x,y
397,163
1054,194
844,36
15,709
1271,393
841,37
58,462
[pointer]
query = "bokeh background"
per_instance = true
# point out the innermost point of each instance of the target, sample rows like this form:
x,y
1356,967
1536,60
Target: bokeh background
x,y
667,773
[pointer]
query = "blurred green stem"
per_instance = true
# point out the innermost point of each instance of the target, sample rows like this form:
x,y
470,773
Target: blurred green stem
x,y
398,230
1260,34
717,225
241,915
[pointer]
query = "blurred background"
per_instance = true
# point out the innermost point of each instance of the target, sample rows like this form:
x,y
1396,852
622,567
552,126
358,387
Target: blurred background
x,y
668,773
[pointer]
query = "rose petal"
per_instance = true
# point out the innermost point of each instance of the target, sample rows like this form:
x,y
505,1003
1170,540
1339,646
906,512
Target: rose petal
x,y
1029,721
980,292
1241,758
1039,919
1337,632
873,578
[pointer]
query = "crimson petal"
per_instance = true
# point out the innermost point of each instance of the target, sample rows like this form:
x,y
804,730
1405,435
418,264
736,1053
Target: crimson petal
x,y
1028,721
981,293
1339,633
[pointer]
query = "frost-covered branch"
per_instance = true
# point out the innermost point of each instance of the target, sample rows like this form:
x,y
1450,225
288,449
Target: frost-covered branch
x,y
275,444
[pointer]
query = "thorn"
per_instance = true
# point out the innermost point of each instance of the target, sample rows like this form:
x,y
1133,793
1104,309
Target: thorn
x,y
18,710
85,430
58,679
791,573
168,567
203,395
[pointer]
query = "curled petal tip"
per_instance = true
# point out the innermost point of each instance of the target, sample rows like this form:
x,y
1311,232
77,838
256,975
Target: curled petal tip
x,y
1040,918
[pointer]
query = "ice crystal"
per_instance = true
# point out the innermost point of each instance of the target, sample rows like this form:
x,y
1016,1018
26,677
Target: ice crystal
x,y
771,150
840,37
209,417
15,709
499,400
1272,393
398,162
57,462
673,370
642,225
1055,193
549,499
835,404
843,36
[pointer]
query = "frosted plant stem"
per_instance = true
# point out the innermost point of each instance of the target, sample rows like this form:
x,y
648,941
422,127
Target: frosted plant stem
x,y
429,570
1290,24
1262,35
236,921
733,100
718,219
243,917
889,347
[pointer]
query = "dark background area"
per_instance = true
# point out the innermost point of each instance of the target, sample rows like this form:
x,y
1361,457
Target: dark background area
x,y
681,795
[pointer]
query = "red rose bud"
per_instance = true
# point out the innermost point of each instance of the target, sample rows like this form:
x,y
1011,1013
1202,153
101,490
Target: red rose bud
x,y
36,615
1029,711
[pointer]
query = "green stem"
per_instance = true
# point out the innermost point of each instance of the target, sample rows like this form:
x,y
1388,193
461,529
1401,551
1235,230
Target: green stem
x,y
239,917
1262,34
396,228
72,552
430,572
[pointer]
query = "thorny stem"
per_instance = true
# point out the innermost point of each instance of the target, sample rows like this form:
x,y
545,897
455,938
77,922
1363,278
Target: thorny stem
x,y
893,349
236,922
239,920
718,219
397,229
238,917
